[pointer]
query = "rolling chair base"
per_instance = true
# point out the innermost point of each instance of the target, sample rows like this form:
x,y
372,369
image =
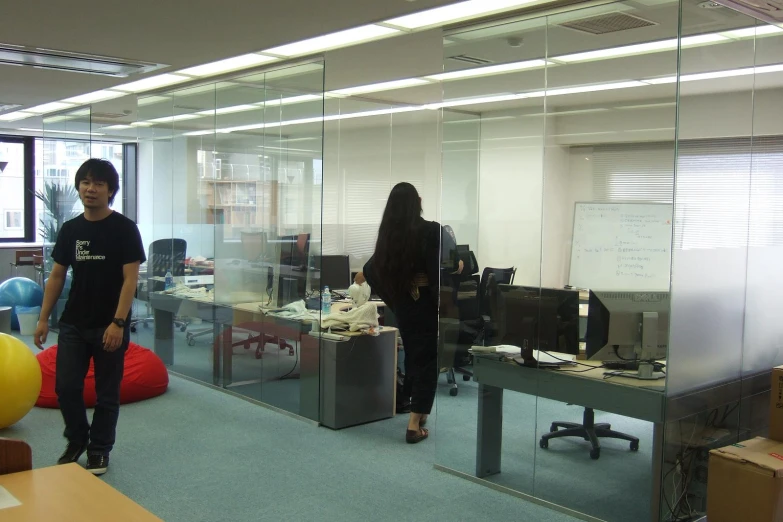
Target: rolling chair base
x,y
588,431
452,379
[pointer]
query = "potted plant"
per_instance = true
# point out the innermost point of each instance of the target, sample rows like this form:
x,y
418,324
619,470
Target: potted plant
x,y
58,200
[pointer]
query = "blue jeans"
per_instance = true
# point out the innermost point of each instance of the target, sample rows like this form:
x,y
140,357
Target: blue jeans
x,y
75,347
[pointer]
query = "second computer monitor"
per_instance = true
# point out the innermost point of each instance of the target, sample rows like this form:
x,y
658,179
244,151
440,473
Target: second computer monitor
x,y
535,318
335,272
627,325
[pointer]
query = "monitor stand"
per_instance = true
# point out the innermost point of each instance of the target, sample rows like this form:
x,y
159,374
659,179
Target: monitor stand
x,y
646,371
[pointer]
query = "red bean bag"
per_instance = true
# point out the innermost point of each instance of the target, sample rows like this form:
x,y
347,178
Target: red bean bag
x,y
145,376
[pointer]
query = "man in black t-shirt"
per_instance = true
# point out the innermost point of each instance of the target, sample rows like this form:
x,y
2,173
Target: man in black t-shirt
x,y
104,249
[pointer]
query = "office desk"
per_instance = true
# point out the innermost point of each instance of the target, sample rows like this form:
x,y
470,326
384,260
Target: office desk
x,y
67,493
644,400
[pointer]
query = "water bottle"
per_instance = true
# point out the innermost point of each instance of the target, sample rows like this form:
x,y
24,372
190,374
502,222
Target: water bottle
x,y
326,301
169,280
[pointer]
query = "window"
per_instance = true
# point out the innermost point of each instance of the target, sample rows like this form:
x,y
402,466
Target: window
x,y
13,220
15,188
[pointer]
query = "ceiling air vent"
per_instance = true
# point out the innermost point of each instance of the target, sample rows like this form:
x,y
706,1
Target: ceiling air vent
x,y
768,10
608,23
472,60
73,62
5,107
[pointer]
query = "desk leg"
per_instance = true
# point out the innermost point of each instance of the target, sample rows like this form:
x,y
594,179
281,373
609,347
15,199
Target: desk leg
x,y
216,351
228,354
490,430
164,336
657,467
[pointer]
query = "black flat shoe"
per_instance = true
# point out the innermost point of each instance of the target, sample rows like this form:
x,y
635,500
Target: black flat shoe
x,y
414,437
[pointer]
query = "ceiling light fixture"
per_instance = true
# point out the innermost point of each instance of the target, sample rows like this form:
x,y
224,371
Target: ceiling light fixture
x,y
95,96
761,30
375,87
356,35
291,99
117,127
53,131
229,110
229,64
455,13
16,115
169,119
49,107
488,70
153,82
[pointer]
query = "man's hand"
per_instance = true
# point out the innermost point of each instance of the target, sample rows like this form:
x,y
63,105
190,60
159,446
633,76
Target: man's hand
x,y
112,338
41,332
461,267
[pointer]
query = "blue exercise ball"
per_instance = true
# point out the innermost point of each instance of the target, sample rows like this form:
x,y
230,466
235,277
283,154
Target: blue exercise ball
x,y
20,291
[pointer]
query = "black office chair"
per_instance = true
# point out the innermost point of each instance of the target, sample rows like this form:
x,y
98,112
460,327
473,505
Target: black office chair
x,y
164,255
589,431
475,330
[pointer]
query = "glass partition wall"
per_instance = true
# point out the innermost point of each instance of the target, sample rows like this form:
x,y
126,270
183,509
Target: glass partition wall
x,y
232,213
621,158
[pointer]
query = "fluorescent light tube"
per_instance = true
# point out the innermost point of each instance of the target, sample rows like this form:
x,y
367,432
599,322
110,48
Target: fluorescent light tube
x,y
147,84
626,50
760,30
169,119
49,107
474,101
16,115
117,127
746,71
229,110
594,88
199,133
95,96
290,100
53,131
149,100
488,70
700,39
330,41
229,64
455,12
376,87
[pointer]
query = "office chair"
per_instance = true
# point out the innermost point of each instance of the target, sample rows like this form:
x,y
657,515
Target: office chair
x,y
27,258
164,255
15,456
479,329
589,431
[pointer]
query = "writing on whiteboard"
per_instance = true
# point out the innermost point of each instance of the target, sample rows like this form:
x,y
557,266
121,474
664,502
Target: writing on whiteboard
x,y
622,246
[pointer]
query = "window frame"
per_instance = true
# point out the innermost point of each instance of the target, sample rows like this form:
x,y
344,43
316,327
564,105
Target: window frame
x,y
28,199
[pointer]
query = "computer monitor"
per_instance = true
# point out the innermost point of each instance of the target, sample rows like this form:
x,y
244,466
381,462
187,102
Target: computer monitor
x,y
533,318
627,325
295,250
335,272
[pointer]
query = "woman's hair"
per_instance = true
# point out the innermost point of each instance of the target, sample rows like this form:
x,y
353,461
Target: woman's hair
x,y
399,240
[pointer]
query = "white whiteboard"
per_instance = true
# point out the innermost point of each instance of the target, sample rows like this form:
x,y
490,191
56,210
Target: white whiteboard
x,y
621,246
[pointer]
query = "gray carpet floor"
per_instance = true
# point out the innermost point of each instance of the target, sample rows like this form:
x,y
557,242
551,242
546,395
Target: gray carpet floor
x,y
196,454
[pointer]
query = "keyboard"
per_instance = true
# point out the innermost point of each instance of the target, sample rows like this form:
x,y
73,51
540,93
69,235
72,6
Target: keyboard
x,y
621,365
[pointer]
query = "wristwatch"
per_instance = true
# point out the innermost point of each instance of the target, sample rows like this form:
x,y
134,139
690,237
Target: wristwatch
x,y
119,322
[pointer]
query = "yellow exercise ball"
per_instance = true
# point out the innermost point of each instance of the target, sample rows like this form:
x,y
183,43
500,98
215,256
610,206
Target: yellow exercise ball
x,y
20,380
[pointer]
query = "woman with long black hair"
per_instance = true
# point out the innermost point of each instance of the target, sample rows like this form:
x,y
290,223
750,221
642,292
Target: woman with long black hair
x,y
405,272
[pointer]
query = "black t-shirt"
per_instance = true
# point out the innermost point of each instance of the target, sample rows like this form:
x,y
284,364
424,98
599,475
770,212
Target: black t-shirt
x,y
97,251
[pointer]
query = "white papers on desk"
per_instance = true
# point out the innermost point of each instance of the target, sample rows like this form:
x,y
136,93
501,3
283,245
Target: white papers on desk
x,y
556,358
7,500
508,350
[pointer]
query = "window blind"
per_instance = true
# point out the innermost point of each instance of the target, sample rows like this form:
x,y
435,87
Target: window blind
x,y
729,192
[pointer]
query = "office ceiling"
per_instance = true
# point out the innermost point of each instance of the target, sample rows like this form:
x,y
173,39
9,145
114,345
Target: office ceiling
x,y
179,34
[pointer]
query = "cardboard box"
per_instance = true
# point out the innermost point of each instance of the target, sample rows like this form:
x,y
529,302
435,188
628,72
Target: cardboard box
x,y
776,405
745,482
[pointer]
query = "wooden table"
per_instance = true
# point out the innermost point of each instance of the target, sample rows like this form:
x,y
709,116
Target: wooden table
x,y
67,493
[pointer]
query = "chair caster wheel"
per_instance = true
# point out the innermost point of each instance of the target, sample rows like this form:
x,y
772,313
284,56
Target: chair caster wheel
x,y
543,443
183,328
466,377
259,353
453,392
133,329
191,342
635,445
246,345
553,428
595,453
